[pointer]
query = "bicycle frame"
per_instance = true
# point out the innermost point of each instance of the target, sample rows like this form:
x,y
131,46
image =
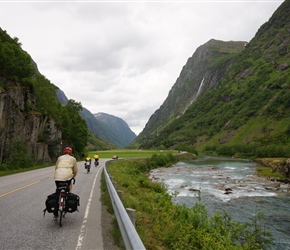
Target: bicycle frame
x,y
62,200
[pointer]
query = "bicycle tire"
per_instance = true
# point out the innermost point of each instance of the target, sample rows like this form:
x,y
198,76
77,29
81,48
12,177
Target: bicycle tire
x,y
60,218
61,211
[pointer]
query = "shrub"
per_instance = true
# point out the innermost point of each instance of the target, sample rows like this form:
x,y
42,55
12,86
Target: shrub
x,y
18,157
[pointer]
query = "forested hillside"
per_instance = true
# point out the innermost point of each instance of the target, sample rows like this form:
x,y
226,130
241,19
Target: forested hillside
x,y
239,98
117,130
34,125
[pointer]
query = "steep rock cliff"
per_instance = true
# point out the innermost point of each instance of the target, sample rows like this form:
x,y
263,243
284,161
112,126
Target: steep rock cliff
x,y
18,122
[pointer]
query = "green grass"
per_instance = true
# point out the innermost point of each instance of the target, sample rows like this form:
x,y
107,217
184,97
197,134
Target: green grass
x,y
268,172
15,171
267,166
126,153
121,153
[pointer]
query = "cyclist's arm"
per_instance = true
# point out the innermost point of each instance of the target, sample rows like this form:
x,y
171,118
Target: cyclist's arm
x,y
56,164
75,168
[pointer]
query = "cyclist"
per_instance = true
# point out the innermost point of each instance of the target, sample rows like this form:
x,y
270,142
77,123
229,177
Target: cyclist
x,y
66,169
96,157
88,162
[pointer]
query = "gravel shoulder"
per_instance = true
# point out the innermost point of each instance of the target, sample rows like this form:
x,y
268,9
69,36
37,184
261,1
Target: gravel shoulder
x,y
107,226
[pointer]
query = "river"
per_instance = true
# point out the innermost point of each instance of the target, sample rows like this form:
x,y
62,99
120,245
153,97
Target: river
x,y
231,185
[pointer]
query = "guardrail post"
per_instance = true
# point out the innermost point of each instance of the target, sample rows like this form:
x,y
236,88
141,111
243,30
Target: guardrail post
x,y
120,194
132,215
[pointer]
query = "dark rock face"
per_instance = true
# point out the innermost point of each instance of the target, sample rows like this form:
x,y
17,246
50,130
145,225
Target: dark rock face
x,y
18,122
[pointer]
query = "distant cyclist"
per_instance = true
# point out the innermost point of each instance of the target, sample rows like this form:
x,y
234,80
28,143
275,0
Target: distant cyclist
x,y
88,162
66,169
96,157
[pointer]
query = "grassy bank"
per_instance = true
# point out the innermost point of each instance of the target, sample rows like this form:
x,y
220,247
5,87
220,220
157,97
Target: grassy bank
x,y
125,153
163,225
267,166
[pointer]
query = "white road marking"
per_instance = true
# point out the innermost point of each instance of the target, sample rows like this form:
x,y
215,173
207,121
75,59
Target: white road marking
x,y
83,227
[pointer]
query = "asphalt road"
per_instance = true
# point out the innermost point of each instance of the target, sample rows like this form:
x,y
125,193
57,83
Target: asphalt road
x,y
22,200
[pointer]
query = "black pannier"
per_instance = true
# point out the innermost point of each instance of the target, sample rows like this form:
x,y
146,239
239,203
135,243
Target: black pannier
x,y
72,203
51,203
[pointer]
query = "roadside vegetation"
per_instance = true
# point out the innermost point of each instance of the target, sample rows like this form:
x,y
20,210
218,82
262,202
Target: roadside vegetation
x,y
163,225
125,153
19,161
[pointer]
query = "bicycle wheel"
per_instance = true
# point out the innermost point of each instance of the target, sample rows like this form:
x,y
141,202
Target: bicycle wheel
x,y
61,210
60,218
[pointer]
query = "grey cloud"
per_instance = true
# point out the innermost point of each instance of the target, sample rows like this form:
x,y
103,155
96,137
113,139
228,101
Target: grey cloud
x,y
127,55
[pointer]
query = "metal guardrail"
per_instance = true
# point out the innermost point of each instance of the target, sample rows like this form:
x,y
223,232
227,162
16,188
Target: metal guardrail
x,y
130,236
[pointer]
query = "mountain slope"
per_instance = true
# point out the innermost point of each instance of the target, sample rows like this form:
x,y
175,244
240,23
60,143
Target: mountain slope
x,y
202,71
120,133
108,127
244,97
95,142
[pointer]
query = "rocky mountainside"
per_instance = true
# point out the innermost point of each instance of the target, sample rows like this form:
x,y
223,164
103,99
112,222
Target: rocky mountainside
x,y
17,124
230,95
27,132
108,127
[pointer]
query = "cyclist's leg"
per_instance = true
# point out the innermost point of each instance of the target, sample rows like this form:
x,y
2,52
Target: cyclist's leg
x,y
55,213
69,182
70,187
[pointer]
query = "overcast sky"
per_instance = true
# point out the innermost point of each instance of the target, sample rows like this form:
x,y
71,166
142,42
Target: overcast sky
x,y
123,57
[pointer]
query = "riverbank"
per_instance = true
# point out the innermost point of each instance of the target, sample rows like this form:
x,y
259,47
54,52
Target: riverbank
x,y
161,224
233,186
274,168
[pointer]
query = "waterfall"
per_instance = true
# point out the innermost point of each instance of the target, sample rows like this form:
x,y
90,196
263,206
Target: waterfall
x,y
195,96
200,86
